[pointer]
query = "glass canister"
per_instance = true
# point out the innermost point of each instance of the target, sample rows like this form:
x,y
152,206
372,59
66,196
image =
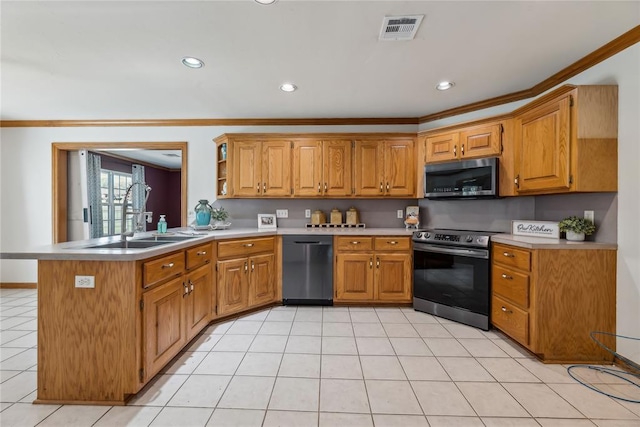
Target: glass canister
x,y
203,212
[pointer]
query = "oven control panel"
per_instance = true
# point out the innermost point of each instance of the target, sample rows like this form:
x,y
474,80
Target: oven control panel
x,y
453,237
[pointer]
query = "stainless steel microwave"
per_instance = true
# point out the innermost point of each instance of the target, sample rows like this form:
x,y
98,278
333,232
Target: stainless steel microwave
x,y
467,179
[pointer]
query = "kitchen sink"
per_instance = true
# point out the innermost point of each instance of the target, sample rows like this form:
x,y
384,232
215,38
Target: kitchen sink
x,y
131,244
166,238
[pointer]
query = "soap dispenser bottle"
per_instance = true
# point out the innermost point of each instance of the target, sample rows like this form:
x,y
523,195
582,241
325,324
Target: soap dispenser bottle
x,y
162,225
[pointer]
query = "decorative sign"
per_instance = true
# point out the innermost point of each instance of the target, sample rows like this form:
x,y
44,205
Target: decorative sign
x,y
546,229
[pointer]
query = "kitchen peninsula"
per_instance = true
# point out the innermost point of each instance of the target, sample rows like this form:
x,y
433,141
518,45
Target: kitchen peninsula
x,y
110,319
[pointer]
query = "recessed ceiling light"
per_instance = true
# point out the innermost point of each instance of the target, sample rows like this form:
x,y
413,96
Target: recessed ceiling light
x,y
265,1
445,85
288,87
192,62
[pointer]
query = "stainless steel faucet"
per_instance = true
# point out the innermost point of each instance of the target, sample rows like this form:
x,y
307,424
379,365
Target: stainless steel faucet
x,y
140,214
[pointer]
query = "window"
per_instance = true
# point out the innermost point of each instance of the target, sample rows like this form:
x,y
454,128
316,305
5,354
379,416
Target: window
x,y
113,186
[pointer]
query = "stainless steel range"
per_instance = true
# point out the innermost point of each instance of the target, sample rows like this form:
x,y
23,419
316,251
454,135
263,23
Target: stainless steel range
x,y
451,275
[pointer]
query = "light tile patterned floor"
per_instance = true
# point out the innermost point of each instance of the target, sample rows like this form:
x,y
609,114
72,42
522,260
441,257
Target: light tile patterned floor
x,y
332,366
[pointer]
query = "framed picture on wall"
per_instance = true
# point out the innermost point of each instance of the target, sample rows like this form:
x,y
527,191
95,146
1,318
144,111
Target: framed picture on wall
x,y
266,221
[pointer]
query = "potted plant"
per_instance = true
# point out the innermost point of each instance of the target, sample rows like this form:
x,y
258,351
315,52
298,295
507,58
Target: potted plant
x,y
219,216
576,228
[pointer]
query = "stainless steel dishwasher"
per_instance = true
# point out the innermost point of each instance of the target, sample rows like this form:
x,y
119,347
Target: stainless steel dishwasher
x,y
307,270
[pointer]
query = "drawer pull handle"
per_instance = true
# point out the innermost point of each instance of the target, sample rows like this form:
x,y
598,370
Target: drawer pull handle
x,y
247,245
370,263
455,150
462,148
393,242
170,265
507,277
505,310
387,187
377,262
186,290
325,187
201,253
508,255
258,187
264,187
246,266
355,242
252,266
191,286
318,187
381,187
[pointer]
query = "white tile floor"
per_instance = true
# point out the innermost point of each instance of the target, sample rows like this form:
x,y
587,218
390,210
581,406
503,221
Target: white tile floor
x,y
330,366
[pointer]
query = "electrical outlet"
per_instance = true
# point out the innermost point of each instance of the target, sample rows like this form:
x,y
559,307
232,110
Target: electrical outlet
x,y
400,213
282,213
85,282
307,213
590,216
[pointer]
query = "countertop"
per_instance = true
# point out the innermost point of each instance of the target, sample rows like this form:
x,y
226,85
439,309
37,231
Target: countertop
x,y
544,243
78,250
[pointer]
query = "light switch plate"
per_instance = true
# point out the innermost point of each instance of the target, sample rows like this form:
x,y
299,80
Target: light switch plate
x,y
400,213
590,216
85,282
282,213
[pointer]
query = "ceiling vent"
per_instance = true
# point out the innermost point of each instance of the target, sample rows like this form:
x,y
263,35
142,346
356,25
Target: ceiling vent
x,y
400,27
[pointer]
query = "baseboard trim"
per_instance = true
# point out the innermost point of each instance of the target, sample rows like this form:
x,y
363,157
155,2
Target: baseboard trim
x,y
26,285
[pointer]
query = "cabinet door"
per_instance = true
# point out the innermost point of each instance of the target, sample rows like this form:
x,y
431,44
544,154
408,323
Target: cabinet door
x,y
354,277
276,168
480,141
307,168
262,288
398,168
198,301
442,147
337,168
369,168
247,177
233,285
542,141
393,277
163,318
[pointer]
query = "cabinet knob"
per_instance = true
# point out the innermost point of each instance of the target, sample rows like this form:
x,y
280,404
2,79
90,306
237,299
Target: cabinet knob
x,y
377,262
252,265
455,150
462,149
325,187
264,187
318,187
381,187
258,187
387,187
370,263
167,265
508,255
516,181
507,277
505,310
246,266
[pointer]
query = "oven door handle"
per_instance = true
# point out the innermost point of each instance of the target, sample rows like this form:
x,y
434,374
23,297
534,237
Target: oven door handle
x,y
472,253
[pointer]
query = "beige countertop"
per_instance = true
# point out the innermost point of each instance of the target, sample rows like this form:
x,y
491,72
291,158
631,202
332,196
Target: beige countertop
x,y
544,243
79,250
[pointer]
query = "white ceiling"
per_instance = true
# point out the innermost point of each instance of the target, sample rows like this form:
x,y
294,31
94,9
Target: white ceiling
x,y
171,159
89,60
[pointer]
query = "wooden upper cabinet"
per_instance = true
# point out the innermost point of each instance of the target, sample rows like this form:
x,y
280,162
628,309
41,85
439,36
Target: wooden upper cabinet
x,y
442,147
261,168
322,168
384,167
543,146
307,168
567,141
465,143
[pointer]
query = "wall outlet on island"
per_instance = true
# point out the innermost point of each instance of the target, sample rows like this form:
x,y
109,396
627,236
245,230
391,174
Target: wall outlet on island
x,y
282,213
85,282
400,214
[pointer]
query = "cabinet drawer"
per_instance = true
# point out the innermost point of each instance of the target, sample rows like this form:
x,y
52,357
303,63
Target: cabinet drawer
x,y
510,284
162,268
199,255
354,243
243,247
392,243
510,320
513,257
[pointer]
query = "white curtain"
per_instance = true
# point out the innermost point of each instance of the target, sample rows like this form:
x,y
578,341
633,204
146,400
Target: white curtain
x,y
138,192
94,164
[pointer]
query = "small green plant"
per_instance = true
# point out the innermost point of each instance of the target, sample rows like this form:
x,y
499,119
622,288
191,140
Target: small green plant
x,y
577,225
219,214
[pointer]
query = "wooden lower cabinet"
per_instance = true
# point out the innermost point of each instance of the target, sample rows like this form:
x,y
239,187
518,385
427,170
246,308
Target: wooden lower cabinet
x,y
198,300
247,281
550,300
164,332
364,274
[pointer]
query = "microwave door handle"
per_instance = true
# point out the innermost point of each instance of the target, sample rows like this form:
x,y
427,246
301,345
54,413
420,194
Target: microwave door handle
x,y
473,253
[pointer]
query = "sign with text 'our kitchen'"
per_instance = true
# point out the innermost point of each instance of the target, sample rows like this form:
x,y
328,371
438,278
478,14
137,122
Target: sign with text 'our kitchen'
x,y
547,229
